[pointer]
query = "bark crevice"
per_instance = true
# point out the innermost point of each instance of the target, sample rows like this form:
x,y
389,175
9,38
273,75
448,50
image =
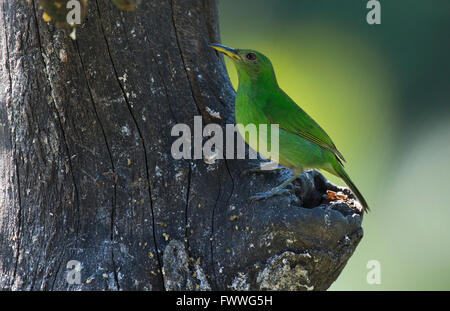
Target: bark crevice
x,y
141,136
90,175
186,68
57,113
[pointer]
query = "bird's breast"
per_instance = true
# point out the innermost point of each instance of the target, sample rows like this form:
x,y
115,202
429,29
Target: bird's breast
x,y
250,116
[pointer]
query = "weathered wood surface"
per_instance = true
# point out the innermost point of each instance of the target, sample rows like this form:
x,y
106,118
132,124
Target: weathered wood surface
x,y
86,172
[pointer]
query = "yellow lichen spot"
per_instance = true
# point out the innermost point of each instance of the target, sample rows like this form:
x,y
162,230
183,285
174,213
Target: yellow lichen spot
x,y
142,201
234,217
198,261
139,179
150,255
89,281
166,236
105,275
197,286
192,231
153,272
228,251
140,243
247,228
236,227
128,5
129,162
186,265
46,17
58,4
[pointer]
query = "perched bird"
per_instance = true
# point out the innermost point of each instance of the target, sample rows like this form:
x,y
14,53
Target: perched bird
x,y
303,144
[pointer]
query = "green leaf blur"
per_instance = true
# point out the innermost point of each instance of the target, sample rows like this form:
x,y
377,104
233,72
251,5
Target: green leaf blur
x,y
382,92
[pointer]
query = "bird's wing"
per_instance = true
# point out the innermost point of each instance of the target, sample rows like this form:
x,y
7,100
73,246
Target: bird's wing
x,y
291,118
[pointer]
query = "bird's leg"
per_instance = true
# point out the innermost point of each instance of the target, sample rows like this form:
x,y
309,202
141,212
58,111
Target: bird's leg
x,y
298,171
279,190
263,167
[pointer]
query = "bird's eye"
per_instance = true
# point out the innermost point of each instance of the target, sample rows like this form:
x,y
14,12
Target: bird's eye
x,y
251,56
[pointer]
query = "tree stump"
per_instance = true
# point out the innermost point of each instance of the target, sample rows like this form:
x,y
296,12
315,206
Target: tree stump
x,y
87,173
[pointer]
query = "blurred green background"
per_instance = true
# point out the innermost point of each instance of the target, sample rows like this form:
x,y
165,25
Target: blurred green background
x,y
382,92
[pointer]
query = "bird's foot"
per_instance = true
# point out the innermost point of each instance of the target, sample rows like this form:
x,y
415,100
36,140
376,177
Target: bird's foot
x,y
262,168
280,190
269,194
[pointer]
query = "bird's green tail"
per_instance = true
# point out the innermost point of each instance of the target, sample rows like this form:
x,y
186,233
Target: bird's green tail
x,y
342,174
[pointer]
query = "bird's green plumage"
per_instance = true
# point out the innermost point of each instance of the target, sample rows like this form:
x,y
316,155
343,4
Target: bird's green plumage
x,y
259,100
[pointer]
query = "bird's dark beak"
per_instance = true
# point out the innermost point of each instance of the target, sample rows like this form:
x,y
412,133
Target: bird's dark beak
x,y
232,53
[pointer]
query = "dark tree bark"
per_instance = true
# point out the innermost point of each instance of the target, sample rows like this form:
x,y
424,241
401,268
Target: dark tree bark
x,y
87,173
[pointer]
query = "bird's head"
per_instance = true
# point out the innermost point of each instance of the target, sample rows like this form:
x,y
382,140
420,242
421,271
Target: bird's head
x,y
250,64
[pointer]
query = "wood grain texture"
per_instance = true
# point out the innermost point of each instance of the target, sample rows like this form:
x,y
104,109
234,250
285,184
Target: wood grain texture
x,y
87,173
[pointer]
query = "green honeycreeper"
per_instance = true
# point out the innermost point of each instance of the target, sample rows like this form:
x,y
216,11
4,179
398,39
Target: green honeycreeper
x,y
303,144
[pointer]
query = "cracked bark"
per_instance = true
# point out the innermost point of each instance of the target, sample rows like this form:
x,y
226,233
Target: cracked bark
x,y
87,175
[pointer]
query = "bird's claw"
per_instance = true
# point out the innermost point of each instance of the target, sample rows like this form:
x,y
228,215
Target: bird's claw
x,y
268,194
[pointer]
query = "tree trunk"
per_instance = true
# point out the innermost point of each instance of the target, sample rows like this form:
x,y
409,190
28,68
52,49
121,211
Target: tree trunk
x,y
87,172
